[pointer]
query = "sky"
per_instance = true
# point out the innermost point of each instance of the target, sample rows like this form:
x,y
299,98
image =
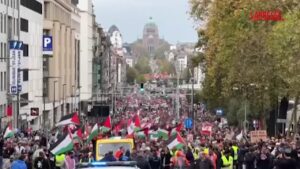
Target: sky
x,y
130,16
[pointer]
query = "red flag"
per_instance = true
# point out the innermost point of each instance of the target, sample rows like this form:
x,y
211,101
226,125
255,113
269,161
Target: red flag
x,y
79,133
107,122
136,121
9,110
75,119
179,127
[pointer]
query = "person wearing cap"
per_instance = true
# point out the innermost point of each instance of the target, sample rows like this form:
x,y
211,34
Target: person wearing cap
x,y
227,160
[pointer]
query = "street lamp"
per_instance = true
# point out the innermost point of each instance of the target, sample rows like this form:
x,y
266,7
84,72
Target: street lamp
x,y
244,90
73,98
63,109
178,71
54,112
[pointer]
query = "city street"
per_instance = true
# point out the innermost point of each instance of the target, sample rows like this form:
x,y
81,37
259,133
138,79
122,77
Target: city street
x,y
139,84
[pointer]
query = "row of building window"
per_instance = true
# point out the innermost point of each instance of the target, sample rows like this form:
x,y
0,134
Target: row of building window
x,y
33,5
3,53
11,3
2,23
3,81
9,21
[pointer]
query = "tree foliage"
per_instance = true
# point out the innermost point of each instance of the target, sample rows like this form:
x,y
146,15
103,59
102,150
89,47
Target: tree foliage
x,y
131,75
165,66
259,59
142,65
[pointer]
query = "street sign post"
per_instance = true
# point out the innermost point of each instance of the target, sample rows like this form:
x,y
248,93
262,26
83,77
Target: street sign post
x,y
188,123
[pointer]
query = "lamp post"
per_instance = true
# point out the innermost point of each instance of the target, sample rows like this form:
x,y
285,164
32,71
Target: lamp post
x,y
54,112
73,98
63,109
244,89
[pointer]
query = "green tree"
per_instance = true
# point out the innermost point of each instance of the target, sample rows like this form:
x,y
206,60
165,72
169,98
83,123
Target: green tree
x,y
238,54
142,65
140,79
131,75
284,46
165,66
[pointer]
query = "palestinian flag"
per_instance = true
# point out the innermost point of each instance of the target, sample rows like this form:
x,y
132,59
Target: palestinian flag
x,y
175,142
133,125
8,132
69,119
153,135
176,129
163,133
106,125
145,130
62,145
140,134
77,135
94,133
137,122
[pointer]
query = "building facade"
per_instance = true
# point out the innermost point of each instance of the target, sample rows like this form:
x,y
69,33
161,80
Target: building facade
x,y
118,61
31,33
61,70
87,44
9,30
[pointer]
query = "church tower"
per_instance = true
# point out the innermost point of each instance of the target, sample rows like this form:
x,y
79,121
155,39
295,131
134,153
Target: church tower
x,y
151,37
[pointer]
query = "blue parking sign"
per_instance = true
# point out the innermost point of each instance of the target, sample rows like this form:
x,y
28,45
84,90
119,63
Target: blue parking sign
x,y
47,45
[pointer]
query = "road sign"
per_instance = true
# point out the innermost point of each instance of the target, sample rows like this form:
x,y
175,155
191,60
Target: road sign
x,y
219,112
47,45
34,111
188,123
281,120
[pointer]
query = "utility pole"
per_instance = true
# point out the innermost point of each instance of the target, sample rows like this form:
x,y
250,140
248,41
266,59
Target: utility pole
x,y
192,101
177,94
63,110
54,112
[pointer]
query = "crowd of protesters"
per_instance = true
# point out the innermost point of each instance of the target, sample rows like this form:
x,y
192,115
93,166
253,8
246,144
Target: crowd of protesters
x,y
219,150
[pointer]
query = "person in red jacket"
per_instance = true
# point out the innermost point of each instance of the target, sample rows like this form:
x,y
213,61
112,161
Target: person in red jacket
x,y
119,153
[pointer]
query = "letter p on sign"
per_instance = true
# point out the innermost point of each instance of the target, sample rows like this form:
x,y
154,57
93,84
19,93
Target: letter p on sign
x,y
47,41
47,45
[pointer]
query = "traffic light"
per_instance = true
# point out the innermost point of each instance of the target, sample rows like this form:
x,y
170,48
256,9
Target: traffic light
x,y
142,87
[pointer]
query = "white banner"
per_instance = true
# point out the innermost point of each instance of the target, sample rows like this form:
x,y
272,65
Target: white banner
x,y
20,73
15,51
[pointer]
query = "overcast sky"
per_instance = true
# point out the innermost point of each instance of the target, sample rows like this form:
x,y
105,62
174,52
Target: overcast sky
x,y
130,16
